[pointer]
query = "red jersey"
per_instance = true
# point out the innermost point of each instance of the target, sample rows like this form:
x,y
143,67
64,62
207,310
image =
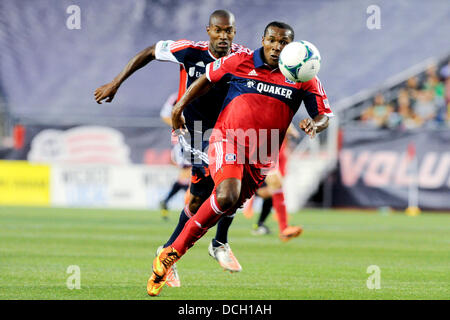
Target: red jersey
x,y
261,99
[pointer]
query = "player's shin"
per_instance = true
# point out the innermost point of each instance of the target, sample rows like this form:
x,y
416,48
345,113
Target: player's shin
x,y
222,229
206,217
185,215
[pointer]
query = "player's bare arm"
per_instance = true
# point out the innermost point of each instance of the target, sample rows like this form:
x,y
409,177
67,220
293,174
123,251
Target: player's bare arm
x,y
108,91
293,132
313,126
198,88
167,120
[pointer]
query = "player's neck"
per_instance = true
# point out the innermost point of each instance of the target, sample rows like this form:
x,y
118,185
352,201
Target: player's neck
x,y
265,63
216,54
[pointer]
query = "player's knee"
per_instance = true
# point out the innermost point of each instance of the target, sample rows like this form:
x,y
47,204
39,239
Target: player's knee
x,y
274,181
228,192
264,193
227,200
194,203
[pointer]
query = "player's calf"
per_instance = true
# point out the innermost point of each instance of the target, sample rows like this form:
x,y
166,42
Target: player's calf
x,y
195,202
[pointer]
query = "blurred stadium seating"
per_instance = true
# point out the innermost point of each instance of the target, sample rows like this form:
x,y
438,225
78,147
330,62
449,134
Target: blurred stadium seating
x,y
418,99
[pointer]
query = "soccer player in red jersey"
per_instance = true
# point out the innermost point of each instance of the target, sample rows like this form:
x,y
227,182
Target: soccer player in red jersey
x,y
259,99
193,58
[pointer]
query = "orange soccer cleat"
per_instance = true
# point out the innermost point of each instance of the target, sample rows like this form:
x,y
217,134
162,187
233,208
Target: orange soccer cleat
x,y
290,233
161,265
173,279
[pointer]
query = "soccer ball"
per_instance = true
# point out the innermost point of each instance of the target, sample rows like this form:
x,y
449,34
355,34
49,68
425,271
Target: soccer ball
x,y
299,61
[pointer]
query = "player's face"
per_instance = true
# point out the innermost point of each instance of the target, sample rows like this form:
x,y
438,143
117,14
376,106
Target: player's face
x,y
221,33
273,42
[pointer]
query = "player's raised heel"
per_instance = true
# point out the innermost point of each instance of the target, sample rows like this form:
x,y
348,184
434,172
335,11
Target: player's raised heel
x,y
290,233
161,265
225,257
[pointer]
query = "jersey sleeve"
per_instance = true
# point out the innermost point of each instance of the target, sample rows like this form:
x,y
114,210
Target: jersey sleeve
x,y
240,48
172,51
216,70
315,99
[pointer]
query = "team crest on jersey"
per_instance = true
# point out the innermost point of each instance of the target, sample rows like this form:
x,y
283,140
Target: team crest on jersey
x,y
289,81
230,157
251,84
216,64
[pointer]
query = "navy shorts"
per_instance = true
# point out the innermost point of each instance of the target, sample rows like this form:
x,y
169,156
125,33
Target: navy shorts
x,y
202,184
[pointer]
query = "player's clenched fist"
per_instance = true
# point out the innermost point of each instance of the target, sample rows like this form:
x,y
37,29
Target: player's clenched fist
x,y
106,91
309,126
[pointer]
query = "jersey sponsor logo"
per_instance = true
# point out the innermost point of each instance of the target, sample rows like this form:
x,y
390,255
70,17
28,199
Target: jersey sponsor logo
x,y
264,87
252,73
194,73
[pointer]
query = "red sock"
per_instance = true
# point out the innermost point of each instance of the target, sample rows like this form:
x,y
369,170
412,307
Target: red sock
x,y
206,217
280,209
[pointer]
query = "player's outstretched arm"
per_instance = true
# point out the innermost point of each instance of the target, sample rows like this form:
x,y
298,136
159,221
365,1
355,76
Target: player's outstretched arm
x,y
200,86
109,90
313,126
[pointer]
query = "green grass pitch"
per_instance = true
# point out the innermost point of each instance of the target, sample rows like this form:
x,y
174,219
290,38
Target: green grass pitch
x,y
115,248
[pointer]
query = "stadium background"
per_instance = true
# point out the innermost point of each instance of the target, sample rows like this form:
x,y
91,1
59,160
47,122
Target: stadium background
x,y
60,149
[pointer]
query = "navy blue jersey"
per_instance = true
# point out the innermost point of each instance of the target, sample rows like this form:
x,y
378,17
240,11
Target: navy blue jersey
x,y
193,58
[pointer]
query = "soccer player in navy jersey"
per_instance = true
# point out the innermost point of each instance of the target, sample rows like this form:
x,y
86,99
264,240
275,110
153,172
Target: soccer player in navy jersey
x,y
259,99
184,175
200,115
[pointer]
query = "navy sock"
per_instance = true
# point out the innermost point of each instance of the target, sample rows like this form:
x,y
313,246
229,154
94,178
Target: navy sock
x,y
222,230
265,211
181,222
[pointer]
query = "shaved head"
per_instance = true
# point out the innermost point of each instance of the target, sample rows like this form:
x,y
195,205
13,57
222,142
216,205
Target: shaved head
x,y
221,31
221,14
